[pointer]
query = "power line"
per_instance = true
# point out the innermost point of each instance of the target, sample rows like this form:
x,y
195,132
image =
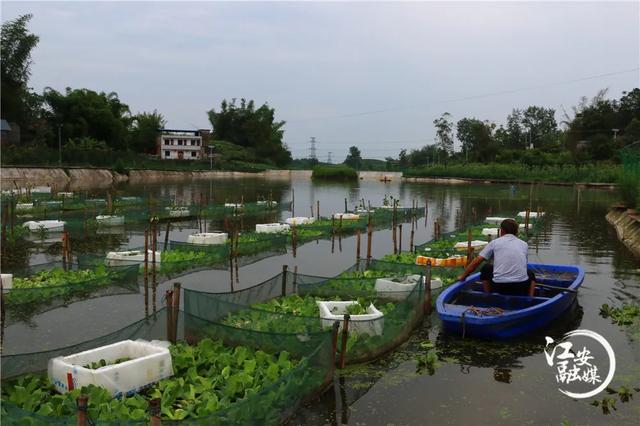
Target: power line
x,y
467,98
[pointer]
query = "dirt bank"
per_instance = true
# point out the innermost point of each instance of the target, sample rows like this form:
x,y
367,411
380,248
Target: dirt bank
x,y
59,178
627,225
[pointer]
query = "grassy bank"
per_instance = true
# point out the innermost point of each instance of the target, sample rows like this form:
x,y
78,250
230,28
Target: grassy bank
x,y
602,173
339,172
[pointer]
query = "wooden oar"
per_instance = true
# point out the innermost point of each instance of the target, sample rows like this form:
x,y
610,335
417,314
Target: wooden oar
x,y
552,287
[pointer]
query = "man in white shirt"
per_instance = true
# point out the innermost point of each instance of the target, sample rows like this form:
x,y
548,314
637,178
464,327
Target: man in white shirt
x,y
508,274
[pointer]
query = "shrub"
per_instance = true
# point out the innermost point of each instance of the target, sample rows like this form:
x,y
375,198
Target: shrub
x,y
339,172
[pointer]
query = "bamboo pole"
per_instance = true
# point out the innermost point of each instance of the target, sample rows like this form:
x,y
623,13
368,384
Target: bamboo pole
x,y
469,248
345,205
318,209
526,222
166,235
294,240
293,202
400,238
427,288
369,238
312,215
345,336
358,247
146,272
295,278
334,343
177,287
232,234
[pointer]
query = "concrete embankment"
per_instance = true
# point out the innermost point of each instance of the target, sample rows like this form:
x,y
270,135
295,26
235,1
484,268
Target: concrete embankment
x,y
627,225
58,178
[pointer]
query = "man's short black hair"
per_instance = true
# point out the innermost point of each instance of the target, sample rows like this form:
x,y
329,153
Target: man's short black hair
x,y
509,226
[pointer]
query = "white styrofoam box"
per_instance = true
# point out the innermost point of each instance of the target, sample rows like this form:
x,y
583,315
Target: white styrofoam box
x,y
399,290
115,258
475,245
24,206
346,216
399,207
364,211
266,203
51,203
110,220
300,220
178,211
234,205
96,200
272,228
532,215
7,281
41,190
130,198
149,363
495,220
49,225
370,323
64,194
207,238
490,232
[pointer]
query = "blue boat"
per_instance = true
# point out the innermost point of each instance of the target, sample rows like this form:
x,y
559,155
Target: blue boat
x,y
466,309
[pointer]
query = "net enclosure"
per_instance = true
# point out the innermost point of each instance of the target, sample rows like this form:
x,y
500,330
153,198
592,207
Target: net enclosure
x,y
46,286
381,319
222,376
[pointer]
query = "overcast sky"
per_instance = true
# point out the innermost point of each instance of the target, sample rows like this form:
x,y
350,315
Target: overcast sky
x,y
374,75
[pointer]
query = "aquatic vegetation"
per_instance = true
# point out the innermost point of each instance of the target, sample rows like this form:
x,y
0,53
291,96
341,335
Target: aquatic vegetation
x,y
60,277
208,377
427,362
625,315
606,404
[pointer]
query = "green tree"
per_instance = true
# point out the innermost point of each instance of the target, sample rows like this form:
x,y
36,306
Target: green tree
x,y
444,133
252,128
83,113
16,46
477,139
541,125
146,129
354,159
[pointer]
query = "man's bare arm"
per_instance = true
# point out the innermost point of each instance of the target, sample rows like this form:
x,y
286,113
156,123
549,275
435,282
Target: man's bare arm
x,y
471,267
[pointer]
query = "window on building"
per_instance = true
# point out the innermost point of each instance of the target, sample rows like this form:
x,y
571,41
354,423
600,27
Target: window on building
x,y
167,153
193,153
179,141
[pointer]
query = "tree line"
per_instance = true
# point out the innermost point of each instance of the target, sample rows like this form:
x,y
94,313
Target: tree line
x,y
594,130
84,120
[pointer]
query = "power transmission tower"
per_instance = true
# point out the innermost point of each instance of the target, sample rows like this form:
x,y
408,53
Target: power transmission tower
x,y
312,150
329,158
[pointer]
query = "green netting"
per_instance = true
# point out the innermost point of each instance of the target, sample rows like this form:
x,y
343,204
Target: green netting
x,y
271,404
630,156
443,247
287,303
43,287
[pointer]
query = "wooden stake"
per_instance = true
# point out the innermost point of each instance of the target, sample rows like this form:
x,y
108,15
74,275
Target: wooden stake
x,y
294,240
526,222
358,246
411,246
154,412
345,205
312,215
168,295
81,403
400,238
318,209
394,238
345,337
284,280
295,279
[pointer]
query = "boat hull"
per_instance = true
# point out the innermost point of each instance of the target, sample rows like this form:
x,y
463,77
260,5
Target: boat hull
x,y
522,314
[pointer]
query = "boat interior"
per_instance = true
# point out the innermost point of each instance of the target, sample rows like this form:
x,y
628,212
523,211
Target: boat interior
x,y
472,293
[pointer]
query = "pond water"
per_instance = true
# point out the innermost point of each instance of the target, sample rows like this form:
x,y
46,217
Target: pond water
x,y
475,382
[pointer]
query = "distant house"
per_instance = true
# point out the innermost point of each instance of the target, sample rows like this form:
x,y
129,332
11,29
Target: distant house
x,y
180,144
10,132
